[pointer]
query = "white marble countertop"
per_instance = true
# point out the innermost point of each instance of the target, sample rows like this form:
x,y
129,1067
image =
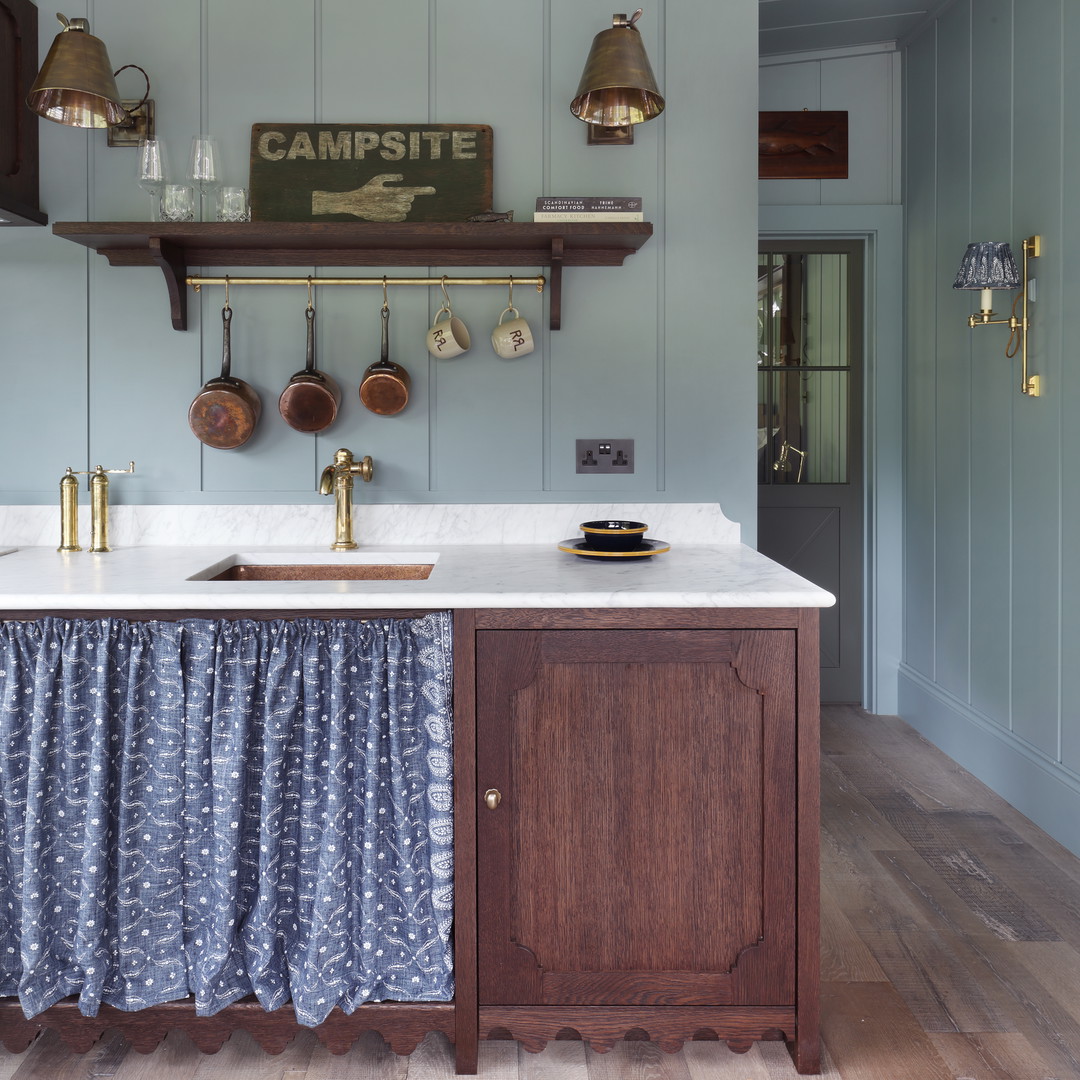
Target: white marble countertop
x,y
464,576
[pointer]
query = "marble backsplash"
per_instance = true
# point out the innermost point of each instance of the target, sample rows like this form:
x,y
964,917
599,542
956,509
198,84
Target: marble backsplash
x,y
309,524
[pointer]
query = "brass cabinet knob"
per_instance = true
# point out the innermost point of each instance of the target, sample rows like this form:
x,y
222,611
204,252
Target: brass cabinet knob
x,y
492,798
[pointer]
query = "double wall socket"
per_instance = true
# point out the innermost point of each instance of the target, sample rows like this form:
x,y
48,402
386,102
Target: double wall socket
x,y
605,455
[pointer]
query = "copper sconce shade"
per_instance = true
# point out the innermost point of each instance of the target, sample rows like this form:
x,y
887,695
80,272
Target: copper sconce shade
x,y
76,86
618,88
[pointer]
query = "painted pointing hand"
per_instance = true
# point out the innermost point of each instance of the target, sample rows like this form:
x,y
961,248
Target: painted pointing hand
x,y
372,202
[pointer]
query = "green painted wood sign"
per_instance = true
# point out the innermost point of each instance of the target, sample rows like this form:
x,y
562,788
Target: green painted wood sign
x,y
369,172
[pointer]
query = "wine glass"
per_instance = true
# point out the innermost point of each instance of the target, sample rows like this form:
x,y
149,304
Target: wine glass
x,y
204,169
153,170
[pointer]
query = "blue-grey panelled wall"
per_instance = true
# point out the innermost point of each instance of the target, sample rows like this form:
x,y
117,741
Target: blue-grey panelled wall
x,y
992,501
656,351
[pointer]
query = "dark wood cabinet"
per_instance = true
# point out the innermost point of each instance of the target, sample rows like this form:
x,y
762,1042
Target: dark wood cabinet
x,y
637,829
18,125
635,834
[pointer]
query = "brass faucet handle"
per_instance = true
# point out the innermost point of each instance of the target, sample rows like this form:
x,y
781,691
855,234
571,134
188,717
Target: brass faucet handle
x,y
364,468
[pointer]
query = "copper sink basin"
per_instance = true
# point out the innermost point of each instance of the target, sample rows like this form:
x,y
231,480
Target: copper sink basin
x,y
321,566
305,572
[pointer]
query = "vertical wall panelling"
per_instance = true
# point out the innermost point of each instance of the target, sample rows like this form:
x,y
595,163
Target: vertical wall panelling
x,y
141,379
921,305
258,69
488,413
1070,395
993,378
43,311
789,87
1037,444
376,65
866,83
656,350
864,86
710,344
953,350
607,377
1017,727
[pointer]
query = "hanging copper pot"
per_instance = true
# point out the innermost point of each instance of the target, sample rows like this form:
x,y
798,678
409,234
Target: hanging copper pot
x,y
310,401
226,410
384,388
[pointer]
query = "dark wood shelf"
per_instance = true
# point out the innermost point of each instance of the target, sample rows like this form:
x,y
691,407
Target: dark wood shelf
x,y
176,246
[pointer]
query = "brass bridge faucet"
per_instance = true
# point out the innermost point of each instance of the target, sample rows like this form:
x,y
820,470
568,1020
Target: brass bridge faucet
x,y
338,478
99,507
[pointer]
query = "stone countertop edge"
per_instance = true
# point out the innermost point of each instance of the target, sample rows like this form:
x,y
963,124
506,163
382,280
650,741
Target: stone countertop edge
x,y
464,576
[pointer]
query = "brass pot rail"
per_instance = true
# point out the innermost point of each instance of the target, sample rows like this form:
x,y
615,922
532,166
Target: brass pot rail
x,y
197,281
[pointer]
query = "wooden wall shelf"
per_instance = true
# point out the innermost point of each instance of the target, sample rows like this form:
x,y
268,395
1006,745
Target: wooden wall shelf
x,y
174,247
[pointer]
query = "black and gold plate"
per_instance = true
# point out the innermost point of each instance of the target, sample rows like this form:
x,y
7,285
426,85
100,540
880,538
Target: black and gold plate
x,y
579,546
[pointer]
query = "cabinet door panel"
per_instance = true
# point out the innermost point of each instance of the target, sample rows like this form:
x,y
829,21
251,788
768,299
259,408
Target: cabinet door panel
x,y
643,849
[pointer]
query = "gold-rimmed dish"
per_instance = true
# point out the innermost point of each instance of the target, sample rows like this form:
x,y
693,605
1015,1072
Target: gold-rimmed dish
x,y
610,534
577,545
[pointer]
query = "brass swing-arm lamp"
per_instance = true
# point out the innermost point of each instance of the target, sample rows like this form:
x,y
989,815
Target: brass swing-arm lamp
x,y
76,86
990,265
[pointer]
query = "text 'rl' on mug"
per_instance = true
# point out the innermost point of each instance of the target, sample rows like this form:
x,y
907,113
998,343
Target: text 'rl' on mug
x,y
513,338
177,203
447,337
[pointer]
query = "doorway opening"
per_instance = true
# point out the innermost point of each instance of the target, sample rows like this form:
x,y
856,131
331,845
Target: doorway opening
x,y
810,435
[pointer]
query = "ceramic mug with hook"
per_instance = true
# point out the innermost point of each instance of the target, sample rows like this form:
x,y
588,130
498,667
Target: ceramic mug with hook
x,y
450,336
512,338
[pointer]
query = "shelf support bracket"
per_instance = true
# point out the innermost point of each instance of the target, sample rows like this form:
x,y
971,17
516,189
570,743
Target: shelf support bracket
x,y
174,266
555,320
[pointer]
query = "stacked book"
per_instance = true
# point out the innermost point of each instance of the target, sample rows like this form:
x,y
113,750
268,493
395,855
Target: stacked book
x,y
588,208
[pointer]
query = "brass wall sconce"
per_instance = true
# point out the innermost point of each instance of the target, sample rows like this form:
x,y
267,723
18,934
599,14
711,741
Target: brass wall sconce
x,y
990,265
76,86
617,88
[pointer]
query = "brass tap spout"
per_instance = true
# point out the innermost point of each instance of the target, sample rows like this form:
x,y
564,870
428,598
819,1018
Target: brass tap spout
x,y
338,478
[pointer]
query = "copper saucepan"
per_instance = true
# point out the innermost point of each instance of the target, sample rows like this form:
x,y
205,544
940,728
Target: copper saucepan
x,y
226,410
384,388
310,401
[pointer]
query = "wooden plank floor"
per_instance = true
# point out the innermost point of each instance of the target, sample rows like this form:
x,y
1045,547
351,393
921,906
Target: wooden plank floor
x,y
950,949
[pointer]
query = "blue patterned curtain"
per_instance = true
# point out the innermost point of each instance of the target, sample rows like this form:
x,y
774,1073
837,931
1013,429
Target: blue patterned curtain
x,y
221,808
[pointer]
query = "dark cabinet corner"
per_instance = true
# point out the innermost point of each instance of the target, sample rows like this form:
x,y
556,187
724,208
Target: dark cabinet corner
x,y
18,125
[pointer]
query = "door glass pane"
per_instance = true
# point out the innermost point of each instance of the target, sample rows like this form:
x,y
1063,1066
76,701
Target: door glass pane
x,y
804,368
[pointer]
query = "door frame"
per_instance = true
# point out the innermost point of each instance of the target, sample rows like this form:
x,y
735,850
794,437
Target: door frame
x,y
845,497
881,227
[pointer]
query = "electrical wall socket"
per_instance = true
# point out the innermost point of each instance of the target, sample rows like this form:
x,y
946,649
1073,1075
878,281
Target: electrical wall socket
x,y
605,455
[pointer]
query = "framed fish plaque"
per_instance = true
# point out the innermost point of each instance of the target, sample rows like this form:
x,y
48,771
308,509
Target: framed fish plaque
x,y
802,145
370,172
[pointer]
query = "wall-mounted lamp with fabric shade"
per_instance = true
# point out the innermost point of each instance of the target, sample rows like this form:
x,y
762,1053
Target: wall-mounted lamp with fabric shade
x,y
989,265
76,86
617,88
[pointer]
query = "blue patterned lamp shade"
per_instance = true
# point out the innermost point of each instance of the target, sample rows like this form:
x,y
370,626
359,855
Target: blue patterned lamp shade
x,y
987,265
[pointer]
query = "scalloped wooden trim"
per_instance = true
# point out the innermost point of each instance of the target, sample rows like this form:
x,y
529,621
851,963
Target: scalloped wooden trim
x,y
601,1027
401,1025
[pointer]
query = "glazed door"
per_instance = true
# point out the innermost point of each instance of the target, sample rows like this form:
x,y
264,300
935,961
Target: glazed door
x,y
640,847
810,308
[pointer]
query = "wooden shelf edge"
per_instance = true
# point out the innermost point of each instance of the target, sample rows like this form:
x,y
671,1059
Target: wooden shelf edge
x,y
174,247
